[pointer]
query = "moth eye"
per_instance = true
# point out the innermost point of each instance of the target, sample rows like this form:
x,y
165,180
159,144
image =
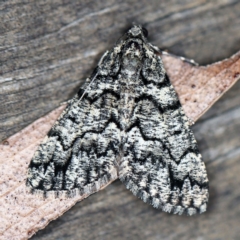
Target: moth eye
x,y
145,32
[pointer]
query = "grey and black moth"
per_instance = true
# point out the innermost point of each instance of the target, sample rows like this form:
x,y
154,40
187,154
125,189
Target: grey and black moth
x,y
125,122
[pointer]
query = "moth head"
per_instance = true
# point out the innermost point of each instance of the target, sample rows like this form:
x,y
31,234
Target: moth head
x,y
138,31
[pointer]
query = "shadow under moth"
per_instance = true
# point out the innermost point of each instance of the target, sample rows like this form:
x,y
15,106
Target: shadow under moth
x,y
126,121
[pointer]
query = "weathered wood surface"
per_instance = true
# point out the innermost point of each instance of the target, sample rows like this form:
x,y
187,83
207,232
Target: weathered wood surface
x,y
47,50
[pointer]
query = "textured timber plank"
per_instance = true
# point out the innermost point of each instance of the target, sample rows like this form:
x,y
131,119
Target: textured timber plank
x,y
49,47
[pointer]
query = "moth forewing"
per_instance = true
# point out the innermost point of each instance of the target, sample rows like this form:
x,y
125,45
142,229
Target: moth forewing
x,y
127,122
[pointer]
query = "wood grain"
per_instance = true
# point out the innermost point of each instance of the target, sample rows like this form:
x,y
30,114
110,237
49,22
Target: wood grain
x,y
49,48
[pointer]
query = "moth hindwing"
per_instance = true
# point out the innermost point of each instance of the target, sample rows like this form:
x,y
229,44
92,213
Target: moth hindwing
x,y
127,122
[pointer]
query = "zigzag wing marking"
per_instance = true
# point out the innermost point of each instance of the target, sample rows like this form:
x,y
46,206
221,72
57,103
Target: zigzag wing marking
x,y
126,121
161,162
78,156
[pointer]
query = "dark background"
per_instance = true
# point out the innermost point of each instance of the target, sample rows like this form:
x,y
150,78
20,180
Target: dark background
x,y
48,48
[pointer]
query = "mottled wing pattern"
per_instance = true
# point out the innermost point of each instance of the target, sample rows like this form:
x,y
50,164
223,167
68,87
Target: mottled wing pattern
x,y
161,163
78,156
126,121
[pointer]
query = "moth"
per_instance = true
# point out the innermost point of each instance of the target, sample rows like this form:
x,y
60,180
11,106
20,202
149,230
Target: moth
x,y
125,122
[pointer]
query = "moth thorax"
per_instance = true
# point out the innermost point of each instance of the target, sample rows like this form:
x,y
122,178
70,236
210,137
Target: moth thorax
x,y
131,62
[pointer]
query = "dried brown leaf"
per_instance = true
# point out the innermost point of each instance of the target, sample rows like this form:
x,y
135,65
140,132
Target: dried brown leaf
x,y
199,87
22,214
